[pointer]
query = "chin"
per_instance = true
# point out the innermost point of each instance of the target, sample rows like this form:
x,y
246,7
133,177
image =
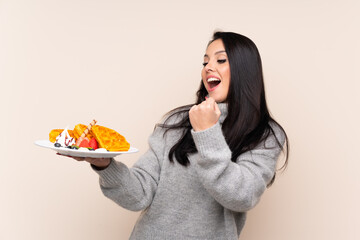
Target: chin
x,y
218,99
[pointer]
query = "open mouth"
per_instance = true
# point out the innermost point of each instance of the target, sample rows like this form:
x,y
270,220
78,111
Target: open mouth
x,y
213,82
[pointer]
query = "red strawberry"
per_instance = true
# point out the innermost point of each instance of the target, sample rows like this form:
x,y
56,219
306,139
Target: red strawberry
x,y
93,144
79,140
84,143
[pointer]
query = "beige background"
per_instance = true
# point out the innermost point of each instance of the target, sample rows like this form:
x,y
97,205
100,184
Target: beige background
x,y
126,63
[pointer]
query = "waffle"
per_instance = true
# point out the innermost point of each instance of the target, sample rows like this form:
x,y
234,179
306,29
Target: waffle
x,y
79,129
55,132
109,139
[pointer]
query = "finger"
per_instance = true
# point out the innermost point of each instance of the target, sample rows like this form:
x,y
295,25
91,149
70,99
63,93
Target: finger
x,y
205,102
216,108
192,109
63,155
89,159
76,158
210,102
79,158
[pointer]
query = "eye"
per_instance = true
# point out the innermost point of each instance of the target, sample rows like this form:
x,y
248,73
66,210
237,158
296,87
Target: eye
x,y
204,64
221,61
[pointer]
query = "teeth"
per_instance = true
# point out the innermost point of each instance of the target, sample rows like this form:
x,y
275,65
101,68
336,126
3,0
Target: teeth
x,y
213,80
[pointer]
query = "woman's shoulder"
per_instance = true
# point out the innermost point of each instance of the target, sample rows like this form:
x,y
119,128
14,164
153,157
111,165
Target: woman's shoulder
x,y
176,116
276,133
173,122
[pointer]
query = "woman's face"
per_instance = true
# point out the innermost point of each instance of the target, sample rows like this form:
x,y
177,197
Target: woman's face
x,y
216,72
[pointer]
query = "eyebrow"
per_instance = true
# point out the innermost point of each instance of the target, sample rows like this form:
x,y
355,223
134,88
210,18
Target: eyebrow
x,y
221,51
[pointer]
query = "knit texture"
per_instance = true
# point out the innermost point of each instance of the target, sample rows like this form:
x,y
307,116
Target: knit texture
x,y
206,200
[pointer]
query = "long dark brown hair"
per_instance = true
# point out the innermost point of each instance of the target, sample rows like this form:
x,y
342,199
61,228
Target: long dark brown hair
x,y
248,120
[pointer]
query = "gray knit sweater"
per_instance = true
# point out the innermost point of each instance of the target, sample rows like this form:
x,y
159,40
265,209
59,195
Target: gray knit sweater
x,y
206,200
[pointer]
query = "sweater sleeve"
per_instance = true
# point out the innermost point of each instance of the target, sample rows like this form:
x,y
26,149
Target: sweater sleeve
x,y
238,185
134,188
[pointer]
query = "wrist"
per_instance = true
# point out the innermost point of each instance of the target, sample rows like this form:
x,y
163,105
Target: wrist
x,y
202,128
102,164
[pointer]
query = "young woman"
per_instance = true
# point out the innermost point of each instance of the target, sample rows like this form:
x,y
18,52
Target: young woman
x,y
208,163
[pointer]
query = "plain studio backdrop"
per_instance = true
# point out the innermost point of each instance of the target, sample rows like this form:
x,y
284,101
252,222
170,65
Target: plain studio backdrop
x,y
126,63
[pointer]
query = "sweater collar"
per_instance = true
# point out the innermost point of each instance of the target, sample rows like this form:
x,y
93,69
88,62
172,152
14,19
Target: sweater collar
x,y
224,111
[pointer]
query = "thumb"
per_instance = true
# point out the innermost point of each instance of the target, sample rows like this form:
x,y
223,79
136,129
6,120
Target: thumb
x,y
217,110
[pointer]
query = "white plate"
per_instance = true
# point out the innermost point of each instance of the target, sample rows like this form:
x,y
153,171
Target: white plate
x,y
81,153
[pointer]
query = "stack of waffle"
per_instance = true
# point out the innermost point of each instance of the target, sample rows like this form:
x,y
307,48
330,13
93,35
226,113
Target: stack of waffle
x,y
107,138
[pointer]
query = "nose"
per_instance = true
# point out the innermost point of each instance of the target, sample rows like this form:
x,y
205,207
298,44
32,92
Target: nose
x,y
209,67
